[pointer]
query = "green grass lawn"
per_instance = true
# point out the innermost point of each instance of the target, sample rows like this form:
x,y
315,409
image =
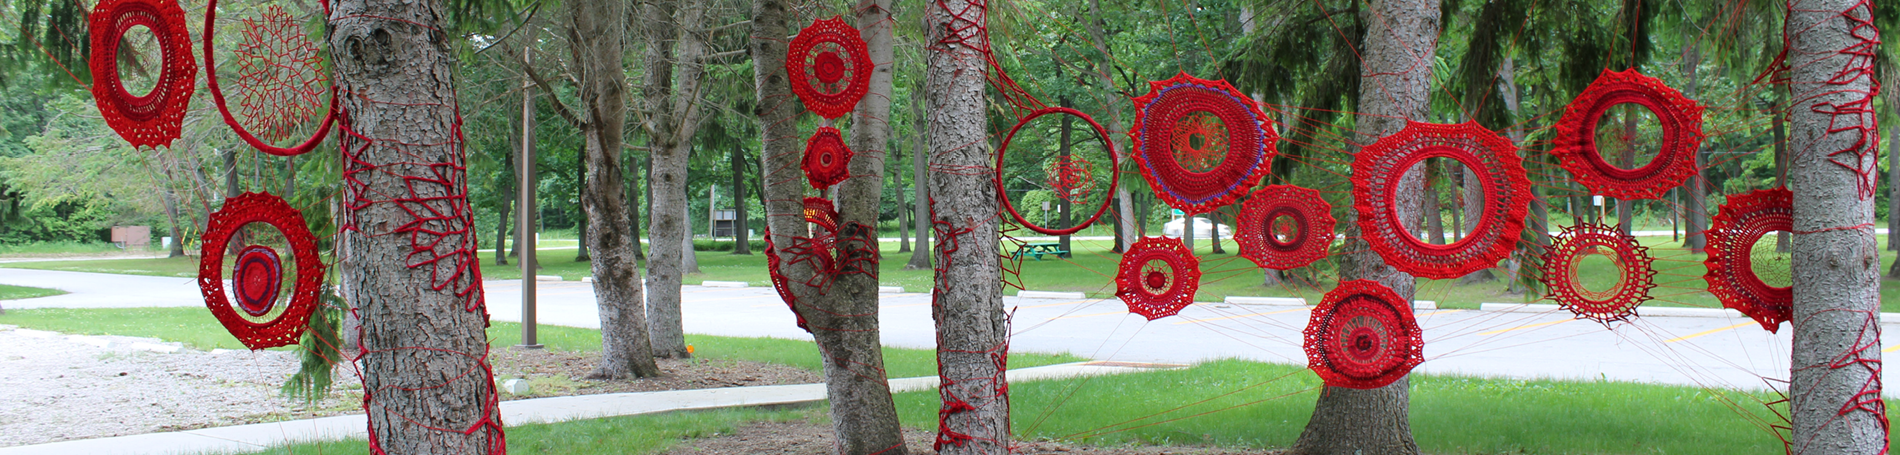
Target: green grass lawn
x,y
11,292
630,435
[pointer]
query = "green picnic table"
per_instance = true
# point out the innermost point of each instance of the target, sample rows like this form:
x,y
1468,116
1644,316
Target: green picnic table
x,y
1039,249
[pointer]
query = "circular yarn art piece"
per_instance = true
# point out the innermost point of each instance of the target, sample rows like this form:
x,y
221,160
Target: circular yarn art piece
x,y
829,67
1376,172
1158,277
827,159
1363,336
1576,148
155,118
1200,143
1284,227
1561,272
259,272
1072,178
1732,235
280,81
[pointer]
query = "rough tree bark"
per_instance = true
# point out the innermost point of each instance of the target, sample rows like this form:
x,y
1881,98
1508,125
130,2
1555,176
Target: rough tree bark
x,y
672,114
920,183
1695,218
1126,225
689,256
171,217
580,226
742,242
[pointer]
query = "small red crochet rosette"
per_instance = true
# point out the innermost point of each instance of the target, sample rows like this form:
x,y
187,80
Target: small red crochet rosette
x,y
1507,194
1158,277
1200,143
1363,336
1576,142
155,118
1284,227
1563,280
281,81
1069,177
829,67
827,160
1732,236
259,319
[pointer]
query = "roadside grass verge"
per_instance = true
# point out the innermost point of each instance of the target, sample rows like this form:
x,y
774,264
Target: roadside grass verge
x,y
11,292
631,435
37,249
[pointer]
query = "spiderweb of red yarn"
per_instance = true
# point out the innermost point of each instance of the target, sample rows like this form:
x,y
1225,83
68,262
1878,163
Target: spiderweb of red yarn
x,y
1561,274
829,67
1732,236
1200,143
1576,143
258,272
1284,227
1376,172
1070,176
281,81
817,249
1158,277
153,119
1362,336
827,159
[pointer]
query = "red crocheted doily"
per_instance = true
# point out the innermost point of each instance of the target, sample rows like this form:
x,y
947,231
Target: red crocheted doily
x,y
281,81
827,159
1375,184
258,272
829,67
1566,288
1576,148
1362,336
1200,143
1158,277
1732,235
1071,179
1284,227
153,119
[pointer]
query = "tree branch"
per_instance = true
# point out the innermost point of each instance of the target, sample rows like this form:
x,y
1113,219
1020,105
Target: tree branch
x,y
559,107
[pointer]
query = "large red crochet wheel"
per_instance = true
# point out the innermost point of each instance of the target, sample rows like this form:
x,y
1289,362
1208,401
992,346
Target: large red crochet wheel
x,y
829,67
281,80
1200,143
1576,148
1732,235
266,321
153,119
1158,277
1070,178
1562,277
1284,227
1362,336
1507,194
827,160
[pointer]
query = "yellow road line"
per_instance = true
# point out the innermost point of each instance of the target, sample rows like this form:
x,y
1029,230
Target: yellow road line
x,y
1191,321
1709,332
1073,316
1891,348
1522,327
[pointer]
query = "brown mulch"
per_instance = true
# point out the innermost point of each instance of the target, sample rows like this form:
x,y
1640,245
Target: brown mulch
x,y
562,373
810,438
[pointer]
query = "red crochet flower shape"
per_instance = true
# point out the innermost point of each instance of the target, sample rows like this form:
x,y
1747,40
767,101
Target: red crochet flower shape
x,y
1363,336
1200,143
1284,227
259,272
1732,234
1375,176
1578,242
829,67
155,118
1158,277
1576,148
827,159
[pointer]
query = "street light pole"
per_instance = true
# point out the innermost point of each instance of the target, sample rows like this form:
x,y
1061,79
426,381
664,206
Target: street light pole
x,y
528,211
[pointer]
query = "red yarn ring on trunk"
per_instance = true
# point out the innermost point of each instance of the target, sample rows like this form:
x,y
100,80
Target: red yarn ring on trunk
x,y
1732,234
1576,141
1114,163
827,159
257,294
829,67
1158,277
1298,214
155,118
217,98
816,249
1616,304
1175,142
1376,172
1362,336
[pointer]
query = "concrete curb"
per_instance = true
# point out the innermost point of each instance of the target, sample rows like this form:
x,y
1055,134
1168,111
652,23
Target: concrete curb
x,y
1050,295
724,284
1647,311
547,278
890,289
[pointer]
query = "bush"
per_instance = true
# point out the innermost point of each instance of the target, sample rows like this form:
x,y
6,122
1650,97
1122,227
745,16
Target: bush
x,y
758,246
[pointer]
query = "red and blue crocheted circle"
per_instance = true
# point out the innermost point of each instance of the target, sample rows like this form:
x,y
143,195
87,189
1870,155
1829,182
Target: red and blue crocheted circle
x,y
155,118
1576,148
1376,172
1732,235
259,273
1284,227
1561,275
827,159
281,81
1158,277
1362,336
829,67
1200,143
1070,176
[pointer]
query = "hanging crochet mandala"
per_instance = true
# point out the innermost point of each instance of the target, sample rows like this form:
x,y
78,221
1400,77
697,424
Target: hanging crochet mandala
x,y
1576,147
1732,235
153,119
1284,227
1362,336
258,273
1070,177
829,67
1158,277
1507,194
827,159
1561,274
1200,143
281,81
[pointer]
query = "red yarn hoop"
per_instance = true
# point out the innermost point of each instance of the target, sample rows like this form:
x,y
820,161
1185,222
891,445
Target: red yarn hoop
x,y
1375,175
1307,212
1576,147
1362,336
1158,277
831,82
827,159
217,97
1616,304
1107,145
287,326
155,118
1249,139
1732,234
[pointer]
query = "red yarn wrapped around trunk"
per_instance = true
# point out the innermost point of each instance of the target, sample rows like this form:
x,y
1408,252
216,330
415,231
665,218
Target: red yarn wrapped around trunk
x,y
1158,277
1376,172
1732,234
1363,336
259,272
155,118
1284,227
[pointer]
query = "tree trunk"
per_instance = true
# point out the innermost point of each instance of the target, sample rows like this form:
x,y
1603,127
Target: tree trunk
x,y
1893,201
1781,161
903,218
232,190
689,254
1376,422
1434,220
1834,394
643,184
1063,204
171,217
423,347
742,238
502,219
920,183
1625,213
1124,209
674,114
581,224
